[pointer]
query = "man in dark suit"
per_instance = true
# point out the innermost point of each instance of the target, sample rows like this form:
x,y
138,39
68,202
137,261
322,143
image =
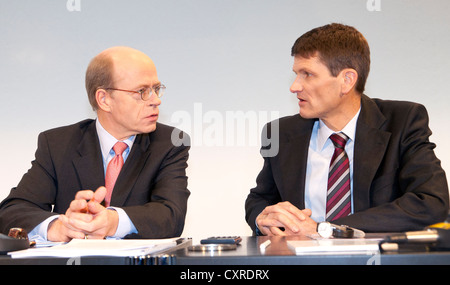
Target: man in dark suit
x,y
61,196
394,180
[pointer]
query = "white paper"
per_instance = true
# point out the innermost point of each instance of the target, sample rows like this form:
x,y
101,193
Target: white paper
x,y
82,247
334,246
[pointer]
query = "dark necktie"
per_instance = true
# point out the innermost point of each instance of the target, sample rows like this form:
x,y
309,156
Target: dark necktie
x,y
338,194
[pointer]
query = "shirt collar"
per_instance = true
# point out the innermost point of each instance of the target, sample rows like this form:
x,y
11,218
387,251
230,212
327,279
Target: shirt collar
x,y
324,132
107,141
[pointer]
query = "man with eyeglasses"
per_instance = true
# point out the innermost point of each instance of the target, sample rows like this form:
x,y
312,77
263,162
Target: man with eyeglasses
x,y
63,196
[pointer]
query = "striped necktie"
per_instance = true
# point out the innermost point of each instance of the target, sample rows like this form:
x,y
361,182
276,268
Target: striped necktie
x,y
338,194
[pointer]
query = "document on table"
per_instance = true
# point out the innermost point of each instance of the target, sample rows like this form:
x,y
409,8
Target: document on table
x,y
82,247
334,246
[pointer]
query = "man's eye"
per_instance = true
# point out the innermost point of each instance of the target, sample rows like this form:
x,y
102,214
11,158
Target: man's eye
x,y
305,74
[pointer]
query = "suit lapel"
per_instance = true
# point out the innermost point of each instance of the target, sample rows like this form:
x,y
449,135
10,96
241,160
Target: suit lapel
x,y
89,164
296,156
370,145
131,170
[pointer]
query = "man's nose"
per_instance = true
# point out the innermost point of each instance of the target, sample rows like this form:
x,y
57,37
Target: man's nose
x,y
154,100
296,86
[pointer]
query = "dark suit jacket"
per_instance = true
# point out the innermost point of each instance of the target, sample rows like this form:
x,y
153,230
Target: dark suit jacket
x,y
151,188
398,182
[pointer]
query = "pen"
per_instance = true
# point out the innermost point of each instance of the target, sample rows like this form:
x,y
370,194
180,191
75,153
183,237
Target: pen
x,y
86,209
264,245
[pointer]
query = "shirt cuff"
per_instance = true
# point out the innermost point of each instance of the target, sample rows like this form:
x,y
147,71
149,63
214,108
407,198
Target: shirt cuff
x,y
257,231
39,233
125,226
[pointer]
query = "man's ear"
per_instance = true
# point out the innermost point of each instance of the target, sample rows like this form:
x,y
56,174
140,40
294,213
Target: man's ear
x,y
349,76
103,99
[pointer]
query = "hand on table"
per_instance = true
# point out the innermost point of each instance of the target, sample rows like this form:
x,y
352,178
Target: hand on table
x,y
85,218
285,219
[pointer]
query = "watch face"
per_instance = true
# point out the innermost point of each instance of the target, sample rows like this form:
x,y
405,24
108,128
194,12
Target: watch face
x,y
325,229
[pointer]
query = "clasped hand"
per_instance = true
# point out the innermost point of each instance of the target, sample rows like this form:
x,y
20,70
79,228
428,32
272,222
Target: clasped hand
x,y
285,219
85,218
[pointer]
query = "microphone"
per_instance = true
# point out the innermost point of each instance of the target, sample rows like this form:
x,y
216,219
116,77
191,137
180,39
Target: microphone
x,y
426,236
439,238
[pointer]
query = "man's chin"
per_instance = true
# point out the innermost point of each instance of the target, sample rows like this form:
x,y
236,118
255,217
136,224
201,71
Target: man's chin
x,y
304,114
150,128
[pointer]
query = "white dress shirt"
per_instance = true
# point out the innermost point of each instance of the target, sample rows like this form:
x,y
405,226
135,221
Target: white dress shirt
x,y
107,141
320,151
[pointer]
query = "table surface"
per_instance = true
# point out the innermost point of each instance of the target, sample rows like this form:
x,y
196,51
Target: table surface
x,y
278,253
248,252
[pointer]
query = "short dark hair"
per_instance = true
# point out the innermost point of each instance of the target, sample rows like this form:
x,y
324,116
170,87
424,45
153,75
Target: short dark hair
x,y
338,46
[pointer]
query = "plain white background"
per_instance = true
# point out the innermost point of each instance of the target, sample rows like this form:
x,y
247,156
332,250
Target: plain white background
x,y
226,57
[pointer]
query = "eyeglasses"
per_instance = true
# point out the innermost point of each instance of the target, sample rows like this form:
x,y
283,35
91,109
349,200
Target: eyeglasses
x,y
145,93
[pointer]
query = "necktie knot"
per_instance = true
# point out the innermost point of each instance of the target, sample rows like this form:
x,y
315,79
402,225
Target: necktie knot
x,y
119,148
339,140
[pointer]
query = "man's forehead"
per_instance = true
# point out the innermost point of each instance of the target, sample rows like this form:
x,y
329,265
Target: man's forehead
x,y
311,61
135,73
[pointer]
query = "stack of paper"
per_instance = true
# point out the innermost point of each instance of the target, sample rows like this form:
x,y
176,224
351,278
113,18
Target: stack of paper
x,y
81,247
334,246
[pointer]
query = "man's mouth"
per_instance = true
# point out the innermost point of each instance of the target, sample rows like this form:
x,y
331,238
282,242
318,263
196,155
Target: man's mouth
x,y
153,116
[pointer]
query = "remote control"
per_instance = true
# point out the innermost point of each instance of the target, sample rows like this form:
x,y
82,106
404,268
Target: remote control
x,y
222,240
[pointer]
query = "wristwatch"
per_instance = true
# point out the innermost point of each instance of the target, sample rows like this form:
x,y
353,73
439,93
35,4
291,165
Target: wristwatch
x,y
327,230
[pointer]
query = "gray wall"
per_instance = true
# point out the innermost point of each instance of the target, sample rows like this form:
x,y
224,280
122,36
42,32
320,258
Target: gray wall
x,y
223,62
